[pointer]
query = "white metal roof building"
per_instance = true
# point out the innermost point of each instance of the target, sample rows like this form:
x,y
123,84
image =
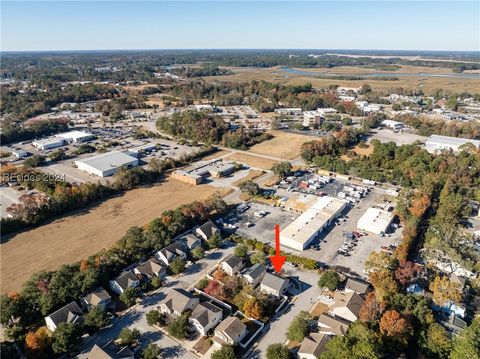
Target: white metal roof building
x,y
106,164
437,143
49,143
303,230
375,220
393,124
76,136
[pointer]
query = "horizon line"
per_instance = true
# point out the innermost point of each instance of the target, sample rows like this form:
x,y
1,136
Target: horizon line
x,y
234,49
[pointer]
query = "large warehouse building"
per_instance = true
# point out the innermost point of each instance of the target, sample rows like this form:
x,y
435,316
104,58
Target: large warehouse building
x,y
309,225
375,220
106,164
436,143
62,139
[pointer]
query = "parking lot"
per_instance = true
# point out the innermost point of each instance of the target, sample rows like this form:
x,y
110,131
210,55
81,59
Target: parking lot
x,y
325,248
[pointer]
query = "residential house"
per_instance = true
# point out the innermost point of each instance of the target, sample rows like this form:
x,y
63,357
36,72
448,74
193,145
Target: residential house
x,y
71,313
170,252
191,241
357,285
347,305
459,280
255,274
205,316
313,345
332,325
274,285
230,331
149,269
207,230
232,264
454,324
97,298
108,351
177,302
125,280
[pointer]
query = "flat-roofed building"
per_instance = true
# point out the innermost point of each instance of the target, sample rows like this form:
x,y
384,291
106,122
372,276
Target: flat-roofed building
x,y
196,175
437,143
106,164
302,231
76,136
49,143
395,125
375,220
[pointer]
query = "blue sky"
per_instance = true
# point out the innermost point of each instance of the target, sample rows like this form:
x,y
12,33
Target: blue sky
x,y
390,25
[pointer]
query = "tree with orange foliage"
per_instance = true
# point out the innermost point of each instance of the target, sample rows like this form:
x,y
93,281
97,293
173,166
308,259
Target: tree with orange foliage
x,y
372,309
405,273
419,205
444,291
253,308
83,265
37,344
394,326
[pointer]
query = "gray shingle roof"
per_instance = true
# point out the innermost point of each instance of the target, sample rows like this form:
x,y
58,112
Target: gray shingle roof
x,y
71,313
172,250
208,228
274,281
125,279
151,268
256,271
204,312
337,325
233,261
314,344
357,285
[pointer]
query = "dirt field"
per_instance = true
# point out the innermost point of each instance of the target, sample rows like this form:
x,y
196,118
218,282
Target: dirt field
x,y
283,144
216,155
363,151
253,161
69,239
427,84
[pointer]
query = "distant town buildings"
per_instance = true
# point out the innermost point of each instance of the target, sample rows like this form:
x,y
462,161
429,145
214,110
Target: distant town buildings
x,y
437,143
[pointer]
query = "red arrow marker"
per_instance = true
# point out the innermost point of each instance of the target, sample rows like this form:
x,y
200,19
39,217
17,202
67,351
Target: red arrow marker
x,y
277,260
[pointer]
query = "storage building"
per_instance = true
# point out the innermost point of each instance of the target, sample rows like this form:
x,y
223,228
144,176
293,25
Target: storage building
x,y
106,164
375,220
436,143
49,143
76,136
309,225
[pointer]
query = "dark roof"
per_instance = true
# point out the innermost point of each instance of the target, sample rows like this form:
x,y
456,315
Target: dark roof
x,y
96,296
125,279
172,250
274,281
70,313
208,228
357,285
256,271
204,312
110,351
233,261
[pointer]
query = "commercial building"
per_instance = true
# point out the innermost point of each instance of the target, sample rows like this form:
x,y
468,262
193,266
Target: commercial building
x,y
62,139
106,164
311,118
49,143
375,220
309,225
395,125
437,143
295,111
197,175
76,136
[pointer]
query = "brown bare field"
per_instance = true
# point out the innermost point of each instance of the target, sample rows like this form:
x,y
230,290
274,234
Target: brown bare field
x,y
250,176
427,84
283,144
216,155
72,238
253,161
363,151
